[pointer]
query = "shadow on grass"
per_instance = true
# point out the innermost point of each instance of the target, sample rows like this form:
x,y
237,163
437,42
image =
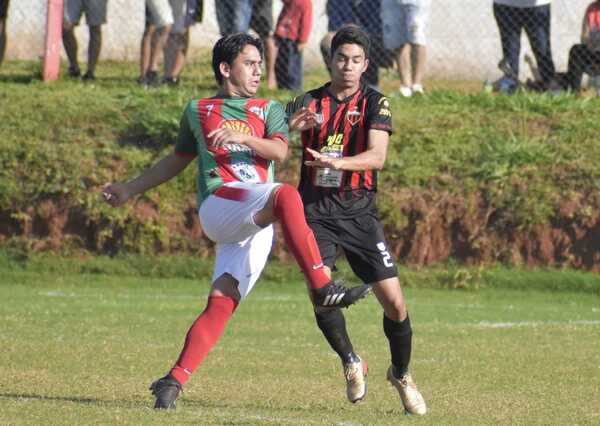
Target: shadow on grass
x,y
19,78
194,404
77,400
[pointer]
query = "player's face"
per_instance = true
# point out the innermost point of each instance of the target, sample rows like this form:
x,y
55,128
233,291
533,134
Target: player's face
x,y
348,65
245,72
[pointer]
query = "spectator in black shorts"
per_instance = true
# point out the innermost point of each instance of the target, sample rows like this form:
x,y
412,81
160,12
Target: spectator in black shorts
x,y
238,16
345,127
3,16
367,15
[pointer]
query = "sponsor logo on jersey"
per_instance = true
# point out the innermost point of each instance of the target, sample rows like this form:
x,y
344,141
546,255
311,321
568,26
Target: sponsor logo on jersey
x,y
209,109
384,107
239,126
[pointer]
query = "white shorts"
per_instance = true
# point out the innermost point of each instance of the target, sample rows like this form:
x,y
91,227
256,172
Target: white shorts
x,y
160,12
95,11
227,218
404,22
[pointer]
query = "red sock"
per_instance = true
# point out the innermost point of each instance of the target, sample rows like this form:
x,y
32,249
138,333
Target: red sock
x,y
203,335
298,236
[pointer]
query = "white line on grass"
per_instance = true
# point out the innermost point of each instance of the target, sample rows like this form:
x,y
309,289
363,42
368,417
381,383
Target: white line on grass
x,y
515,324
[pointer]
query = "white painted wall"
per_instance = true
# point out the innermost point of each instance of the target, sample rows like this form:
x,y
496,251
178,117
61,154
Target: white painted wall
x,y
464,40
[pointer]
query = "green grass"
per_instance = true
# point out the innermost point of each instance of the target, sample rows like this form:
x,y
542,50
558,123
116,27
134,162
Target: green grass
x,y
82,339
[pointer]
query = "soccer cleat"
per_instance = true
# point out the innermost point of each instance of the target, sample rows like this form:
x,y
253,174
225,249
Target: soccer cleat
x,y
335,295
409,394
356,380
166,390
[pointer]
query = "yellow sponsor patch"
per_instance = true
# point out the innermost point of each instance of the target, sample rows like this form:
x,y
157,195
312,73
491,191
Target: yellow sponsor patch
x,y
237,126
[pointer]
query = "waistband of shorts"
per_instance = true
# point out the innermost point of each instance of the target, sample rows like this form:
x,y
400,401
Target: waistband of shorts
x,y
231,193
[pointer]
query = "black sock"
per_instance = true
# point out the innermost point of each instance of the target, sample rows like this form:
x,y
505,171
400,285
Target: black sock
x,y
333,325
399,335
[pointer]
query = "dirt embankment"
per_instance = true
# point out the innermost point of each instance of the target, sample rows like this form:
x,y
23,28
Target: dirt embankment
x,y
434,227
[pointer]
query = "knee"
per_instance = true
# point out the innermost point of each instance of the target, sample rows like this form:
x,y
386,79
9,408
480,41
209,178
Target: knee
x,y
67,28
396,310
286,193
95,31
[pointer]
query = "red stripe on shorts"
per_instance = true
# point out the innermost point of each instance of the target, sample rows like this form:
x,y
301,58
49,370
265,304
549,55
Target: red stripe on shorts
x,y
232,193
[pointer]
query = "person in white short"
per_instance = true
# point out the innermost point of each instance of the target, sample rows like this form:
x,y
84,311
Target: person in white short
x,y
95,17
159,21
404,32
236,139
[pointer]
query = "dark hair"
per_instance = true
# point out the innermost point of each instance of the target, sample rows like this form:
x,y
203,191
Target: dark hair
x,y
229,47
351,34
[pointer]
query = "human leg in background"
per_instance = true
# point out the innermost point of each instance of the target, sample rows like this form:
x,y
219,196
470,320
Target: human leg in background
x,y
510,26
70,43
537,28
94,48
175,56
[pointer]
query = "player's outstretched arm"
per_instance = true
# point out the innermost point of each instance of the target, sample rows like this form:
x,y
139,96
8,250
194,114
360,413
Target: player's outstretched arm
x,y
371,159
117,194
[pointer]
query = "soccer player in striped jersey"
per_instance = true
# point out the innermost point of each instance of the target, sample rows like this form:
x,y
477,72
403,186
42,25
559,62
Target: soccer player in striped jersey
x,y
236,139
345,127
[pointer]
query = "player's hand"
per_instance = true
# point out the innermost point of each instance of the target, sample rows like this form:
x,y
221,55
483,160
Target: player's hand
x,y
301,46
303,119
220,137
323,161
116,194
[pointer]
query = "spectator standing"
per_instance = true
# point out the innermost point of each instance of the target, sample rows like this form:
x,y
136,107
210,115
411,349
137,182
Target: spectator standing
x,y
533,16
186,13
238,16
3,16
291,35
367,15
95,16
404,27
159,21
586,55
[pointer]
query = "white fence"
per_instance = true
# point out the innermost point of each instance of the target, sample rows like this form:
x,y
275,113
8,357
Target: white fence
x,y
463,36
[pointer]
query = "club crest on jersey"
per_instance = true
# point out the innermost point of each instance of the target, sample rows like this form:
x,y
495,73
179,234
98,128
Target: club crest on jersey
x,y
353,116
239,126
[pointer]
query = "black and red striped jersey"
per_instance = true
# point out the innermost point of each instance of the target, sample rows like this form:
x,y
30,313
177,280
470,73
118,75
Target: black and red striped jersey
x,y
343,131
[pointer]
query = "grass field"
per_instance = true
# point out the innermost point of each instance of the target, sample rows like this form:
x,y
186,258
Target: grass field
x,y
82,339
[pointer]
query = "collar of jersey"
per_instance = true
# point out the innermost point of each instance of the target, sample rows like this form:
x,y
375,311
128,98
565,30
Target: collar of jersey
x,y
347,99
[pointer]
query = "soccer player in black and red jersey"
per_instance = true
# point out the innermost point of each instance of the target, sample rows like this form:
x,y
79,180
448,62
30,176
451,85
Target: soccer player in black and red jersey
x,y
345,128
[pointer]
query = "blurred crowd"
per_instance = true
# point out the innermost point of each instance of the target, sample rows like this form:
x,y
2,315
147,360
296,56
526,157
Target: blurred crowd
x,y
398,31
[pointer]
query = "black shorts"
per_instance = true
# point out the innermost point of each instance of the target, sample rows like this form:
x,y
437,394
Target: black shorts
x,y
363,242
3,9
262,18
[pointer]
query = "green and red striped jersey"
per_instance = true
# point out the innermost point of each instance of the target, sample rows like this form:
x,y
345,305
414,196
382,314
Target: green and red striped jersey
x,y
343,132
232,162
